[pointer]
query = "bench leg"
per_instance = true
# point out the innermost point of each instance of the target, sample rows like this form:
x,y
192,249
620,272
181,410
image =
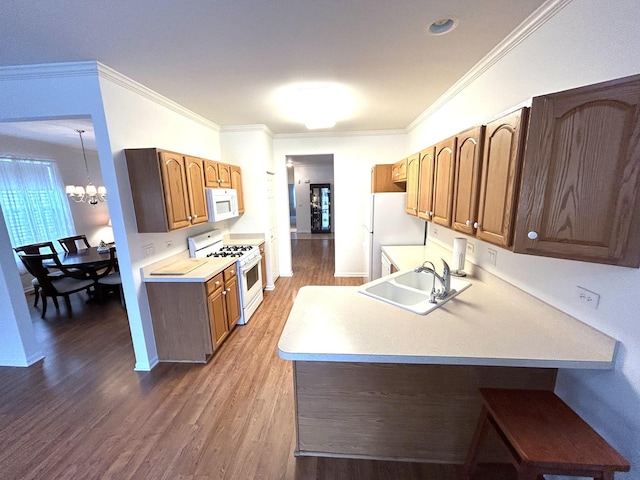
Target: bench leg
x,y
471,463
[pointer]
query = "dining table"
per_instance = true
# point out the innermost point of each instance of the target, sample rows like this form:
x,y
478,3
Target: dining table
x,y
89,260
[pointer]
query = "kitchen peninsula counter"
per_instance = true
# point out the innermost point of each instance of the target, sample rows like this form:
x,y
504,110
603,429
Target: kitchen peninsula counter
x,y
491,323
376,381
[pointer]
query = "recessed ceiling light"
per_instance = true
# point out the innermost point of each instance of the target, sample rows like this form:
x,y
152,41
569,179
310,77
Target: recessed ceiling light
x,y
442,26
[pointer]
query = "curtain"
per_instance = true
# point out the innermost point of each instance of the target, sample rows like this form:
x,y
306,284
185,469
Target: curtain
x,y
33,201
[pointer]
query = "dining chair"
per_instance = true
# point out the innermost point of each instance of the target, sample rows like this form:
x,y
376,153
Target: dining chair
x,y
109,278
70,244
37,248
71,281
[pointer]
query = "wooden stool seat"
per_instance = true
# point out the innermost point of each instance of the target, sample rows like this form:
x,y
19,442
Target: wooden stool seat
x,y
543,436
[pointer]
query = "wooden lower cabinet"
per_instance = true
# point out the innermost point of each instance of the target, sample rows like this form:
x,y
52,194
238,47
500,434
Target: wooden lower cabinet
x,y
231,297
191,320
424,413
217,315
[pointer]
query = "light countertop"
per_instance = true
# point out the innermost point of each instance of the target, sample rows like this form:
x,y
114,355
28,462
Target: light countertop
x,y
208,270
491,323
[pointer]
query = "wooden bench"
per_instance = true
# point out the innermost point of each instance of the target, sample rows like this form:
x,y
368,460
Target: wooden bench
x,y
543,436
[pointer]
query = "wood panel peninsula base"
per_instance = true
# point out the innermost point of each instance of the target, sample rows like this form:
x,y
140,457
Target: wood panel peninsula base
x,y
424,413
375,381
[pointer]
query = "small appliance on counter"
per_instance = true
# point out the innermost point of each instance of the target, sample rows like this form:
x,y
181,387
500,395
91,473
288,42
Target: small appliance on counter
x,y
210,244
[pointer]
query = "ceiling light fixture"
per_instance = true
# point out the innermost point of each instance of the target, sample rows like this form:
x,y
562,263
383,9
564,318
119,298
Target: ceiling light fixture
x,y
90,193
442,26
318,107
317,104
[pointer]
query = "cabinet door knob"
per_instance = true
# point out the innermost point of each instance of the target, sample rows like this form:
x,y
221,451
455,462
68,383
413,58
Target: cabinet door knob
x,y
476,225
189,217
229,289
233,272
224,292
532,235
468,223
195,216
217,283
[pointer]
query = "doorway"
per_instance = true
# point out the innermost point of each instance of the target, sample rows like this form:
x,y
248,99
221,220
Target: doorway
x,y
310,175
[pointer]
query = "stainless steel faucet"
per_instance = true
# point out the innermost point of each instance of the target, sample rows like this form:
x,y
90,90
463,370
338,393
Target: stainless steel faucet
x,y
445,279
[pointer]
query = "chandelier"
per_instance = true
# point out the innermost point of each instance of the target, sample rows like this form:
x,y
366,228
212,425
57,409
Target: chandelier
x,y
90,193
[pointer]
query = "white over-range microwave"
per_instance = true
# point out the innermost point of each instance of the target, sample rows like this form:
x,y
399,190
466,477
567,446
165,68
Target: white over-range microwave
x,y
222,203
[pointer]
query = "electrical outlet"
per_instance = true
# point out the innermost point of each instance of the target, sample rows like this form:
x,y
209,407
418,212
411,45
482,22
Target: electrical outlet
x,y
587,297
493,256
470,248
435,231
149,250
168,244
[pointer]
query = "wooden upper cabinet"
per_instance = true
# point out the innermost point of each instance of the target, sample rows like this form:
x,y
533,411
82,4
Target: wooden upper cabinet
x,y
580,196
399,171
501,163
382,179
167,188
413,178
467,179
224,172
195,185
444,170
236,183
217,175
176,196
425,188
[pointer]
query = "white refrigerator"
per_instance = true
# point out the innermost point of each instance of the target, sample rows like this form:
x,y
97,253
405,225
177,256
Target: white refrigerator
x,y
386,223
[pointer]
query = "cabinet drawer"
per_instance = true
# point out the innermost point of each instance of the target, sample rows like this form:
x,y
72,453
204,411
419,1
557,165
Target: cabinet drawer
x,y
214,284
230,272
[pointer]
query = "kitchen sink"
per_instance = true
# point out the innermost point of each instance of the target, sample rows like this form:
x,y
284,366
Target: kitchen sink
x,y
411,290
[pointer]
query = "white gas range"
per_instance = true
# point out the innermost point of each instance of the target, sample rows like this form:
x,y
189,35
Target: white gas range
x,y
210,244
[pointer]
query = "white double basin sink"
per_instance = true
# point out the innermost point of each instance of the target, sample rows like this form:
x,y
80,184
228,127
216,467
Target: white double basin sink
x,y
411,290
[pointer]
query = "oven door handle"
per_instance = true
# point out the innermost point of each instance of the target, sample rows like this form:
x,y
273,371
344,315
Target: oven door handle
x,y
252,263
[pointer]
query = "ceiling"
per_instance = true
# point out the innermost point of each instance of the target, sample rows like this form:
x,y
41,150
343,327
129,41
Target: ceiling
x,y
228,60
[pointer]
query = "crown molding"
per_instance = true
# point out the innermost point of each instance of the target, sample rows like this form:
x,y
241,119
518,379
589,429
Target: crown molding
x,y
47,70
362,133
121,80
532,23
97,69
247,129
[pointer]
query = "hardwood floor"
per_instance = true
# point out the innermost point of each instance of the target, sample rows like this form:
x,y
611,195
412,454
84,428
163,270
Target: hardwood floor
x,y
83,413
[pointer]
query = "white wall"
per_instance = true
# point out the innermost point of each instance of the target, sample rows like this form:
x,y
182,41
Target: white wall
x,y
135,118
586,42
353,157
303,177
251,148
